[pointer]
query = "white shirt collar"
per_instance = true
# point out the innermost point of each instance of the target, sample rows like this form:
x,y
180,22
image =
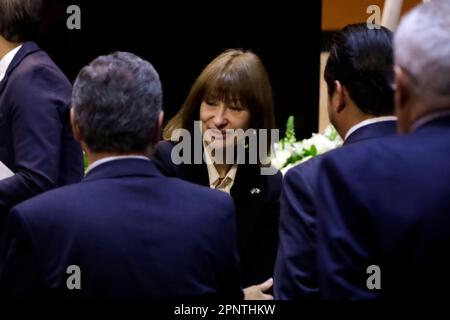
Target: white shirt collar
x,y
367,122
6,61
214,182
108,159
428,118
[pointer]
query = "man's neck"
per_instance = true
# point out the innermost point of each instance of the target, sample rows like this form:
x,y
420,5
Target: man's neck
x,y
345,127
6,46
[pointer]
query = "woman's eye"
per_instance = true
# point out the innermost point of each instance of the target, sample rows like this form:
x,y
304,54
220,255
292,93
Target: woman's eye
x,y
236,108
210,103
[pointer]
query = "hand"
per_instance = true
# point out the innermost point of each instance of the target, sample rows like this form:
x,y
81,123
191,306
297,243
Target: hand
x,y
256,292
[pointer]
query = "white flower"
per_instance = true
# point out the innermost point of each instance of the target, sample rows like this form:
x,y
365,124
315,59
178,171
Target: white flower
x,y
321,143
296,152
280,156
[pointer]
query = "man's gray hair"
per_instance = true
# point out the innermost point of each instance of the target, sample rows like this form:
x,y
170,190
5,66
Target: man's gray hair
x,y
117,99
422,47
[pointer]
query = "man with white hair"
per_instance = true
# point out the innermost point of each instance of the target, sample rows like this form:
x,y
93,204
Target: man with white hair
x,y
384,207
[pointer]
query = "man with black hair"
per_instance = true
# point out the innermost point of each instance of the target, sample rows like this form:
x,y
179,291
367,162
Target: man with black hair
x,y
383,207
359,76
36,141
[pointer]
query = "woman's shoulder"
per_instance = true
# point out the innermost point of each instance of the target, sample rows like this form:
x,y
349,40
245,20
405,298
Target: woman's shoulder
x,y
273,180
162,157
163,147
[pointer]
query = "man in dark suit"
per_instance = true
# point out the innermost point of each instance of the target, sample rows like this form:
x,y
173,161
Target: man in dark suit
x,y
36,142
384,205
256,202
359,77
131,232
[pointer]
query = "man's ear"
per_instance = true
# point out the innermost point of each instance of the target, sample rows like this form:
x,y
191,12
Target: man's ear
x,y
158,128
338,101
75,129
402,97
401,88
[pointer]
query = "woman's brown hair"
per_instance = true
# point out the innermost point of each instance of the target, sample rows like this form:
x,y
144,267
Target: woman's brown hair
x,y
233,77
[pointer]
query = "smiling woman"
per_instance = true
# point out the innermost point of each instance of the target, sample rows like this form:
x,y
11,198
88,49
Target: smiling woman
x,y
233,93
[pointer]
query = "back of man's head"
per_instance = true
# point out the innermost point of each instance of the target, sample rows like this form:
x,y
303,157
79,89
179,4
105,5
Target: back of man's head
x,y
422,49
361,59
19,19
116,102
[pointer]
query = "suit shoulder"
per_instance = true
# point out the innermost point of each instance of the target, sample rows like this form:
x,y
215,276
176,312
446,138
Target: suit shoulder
x,y
306,171
163,151
275,178
162,157
38,69
357,156
204,204
196,191
164,147
48,202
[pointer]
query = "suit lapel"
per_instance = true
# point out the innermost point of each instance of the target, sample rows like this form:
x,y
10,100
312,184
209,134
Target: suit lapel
x,y
247,190
27,49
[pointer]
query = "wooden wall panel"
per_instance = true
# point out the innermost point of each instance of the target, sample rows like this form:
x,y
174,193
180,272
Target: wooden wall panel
x,y
338,13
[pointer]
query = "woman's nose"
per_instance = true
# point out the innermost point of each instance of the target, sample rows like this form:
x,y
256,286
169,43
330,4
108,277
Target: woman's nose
x,y
220,118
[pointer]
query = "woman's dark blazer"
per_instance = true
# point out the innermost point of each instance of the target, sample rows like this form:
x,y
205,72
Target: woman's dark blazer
x,y
256,199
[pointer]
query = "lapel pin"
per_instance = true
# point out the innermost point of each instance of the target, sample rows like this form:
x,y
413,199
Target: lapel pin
x,y
255,191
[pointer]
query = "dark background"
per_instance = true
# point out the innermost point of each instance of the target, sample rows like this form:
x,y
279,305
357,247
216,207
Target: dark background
x,y
180,38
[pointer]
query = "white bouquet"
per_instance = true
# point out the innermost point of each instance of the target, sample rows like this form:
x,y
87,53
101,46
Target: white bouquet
x,y
289,152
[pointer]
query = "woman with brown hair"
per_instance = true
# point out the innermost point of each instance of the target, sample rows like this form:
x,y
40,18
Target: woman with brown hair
x,y
232,95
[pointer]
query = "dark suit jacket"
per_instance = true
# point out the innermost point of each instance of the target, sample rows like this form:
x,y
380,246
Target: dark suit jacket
x,y
295,272
36,140
133,233
386,203
256,214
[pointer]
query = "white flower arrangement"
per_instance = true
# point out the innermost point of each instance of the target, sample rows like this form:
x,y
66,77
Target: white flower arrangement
x,y
289,152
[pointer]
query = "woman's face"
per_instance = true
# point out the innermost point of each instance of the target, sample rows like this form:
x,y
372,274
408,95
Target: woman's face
x,y
218,117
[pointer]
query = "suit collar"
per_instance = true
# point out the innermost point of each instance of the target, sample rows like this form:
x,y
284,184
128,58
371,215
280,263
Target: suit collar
x,y
123,168
27,48
431,118
371,131
442,121
6,60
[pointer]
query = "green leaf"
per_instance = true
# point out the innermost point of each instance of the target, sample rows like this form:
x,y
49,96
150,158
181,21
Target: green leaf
x,y
333,134
311,151
290,130
289,136
294,158
85,161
